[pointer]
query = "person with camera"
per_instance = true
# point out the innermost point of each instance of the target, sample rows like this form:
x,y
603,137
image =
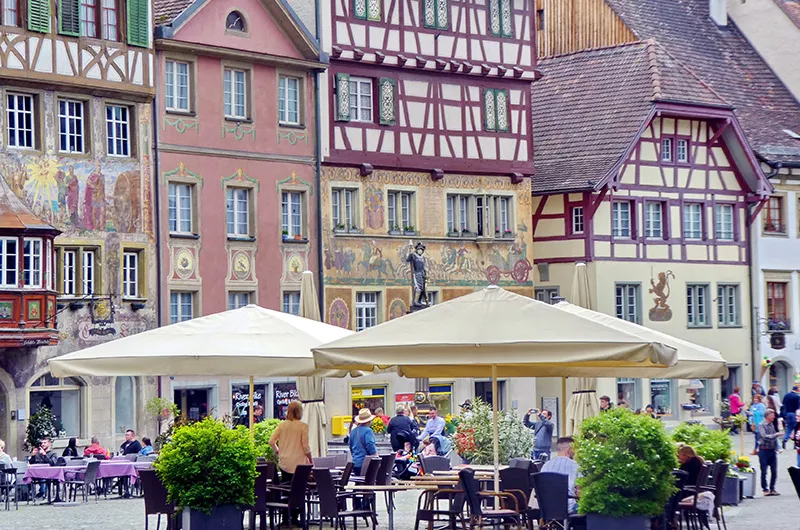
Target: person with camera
x,y
542,432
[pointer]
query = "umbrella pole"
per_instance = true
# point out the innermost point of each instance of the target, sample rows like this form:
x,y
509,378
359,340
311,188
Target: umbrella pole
x,y
496,437
563,416
250,408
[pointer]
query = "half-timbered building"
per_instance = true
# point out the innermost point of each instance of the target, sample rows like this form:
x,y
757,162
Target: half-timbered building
x,y
77,87
428,140
644,173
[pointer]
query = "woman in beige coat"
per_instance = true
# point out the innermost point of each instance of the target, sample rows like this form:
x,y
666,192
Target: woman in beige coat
x,y
290,442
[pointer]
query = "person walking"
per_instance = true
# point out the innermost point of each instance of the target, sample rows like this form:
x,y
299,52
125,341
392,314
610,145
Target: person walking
x,y
362,440
757,412
768,453
791,402
774,402
757,389
737,405
290,442
542,433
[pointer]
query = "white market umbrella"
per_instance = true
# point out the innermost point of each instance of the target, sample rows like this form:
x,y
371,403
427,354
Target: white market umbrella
x,y
311,388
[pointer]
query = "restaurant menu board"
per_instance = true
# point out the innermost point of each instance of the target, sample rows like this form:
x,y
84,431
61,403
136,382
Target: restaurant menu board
x,y
240,400
283,394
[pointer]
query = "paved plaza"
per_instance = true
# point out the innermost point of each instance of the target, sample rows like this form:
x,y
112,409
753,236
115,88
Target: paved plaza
x,y
773,513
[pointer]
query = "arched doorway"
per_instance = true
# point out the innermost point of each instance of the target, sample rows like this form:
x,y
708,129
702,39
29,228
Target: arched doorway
x,y
780,376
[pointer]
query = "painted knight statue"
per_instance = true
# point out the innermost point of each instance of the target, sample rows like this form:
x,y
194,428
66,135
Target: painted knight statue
x,y
419,276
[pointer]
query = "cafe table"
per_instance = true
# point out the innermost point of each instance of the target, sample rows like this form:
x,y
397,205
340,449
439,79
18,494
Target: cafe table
x,y
60,474
390,490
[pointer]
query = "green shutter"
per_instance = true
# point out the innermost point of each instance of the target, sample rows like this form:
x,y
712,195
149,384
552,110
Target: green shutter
x,y
39,15
387,99
69,18
342,97
489,110
138,23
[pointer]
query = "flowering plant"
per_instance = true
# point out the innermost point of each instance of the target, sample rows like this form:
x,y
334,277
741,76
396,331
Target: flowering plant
x,y
451,424
474,435
377,426
743,465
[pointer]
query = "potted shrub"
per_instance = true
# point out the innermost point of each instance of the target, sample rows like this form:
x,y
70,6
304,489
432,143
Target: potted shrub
x,y
298,237
711,445
285,235
340,228
409,231
453,233
395,231
626,460
473,435
209,472
354,230
508,234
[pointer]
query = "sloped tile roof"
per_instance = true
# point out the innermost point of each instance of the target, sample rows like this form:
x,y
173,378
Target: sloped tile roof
x,y
15,215
723,59
792,10
165,11
589,106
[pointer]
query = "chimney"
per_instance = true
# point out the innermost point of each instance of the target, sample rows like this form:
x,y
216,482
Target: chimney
x,y
718,11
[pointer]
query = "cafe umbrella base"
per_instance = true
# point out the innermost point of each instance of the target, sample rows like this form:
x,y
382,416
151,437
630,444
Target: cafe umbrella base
x,y
225,517
595,521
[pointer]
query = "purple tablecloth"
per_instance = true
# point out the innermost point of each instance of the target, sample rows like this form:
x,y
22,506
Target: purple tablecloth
x,y
110,469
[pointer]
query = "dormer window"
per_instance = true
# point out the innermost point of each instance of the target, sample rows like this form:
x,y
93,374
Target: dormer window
x,y
235,22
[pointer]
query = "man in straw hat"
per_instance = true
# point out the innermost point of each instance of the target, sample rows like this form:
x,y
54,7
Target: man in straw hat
x,y
362,440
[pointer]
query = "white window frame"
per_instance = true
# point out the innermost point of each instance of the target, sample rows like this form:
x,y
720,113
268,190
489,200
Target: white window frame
x,y
728,313
627,302
400,210
69,272
361,87
32,261
238,299
235,86
88,271
285,100
174,100
697,302
578,222
179,194
452,224
693,221
178,305
130,274
71,129
118,130
291,302
621,228
291,218
682,150
28,117
502,215
666,149
366,310
5,258
654,220
724,222
11,13
235,207
344,206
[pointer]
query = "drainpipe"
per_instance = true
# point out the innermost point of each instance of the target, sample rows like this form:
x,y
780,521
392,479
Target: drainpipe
x,y
318,177
157,207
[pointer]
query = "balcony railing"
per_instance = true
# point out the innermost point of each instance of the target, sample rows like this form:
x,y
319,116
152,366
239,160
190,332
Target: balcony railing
x,y
779,325
774,228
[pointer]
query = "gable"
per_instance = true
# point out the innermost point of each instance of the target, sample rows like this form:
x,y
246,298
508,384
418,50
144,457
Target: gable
x,y
205,22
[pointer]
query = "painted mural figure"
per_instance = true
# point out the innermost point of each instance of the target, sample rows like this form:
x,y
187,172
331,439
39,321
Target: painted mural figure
x,y
94,217
419,275
661,311
71,195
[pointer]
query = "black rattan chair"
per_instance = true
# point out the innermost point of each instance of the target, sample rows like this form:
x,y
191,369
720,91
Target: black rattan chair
x,y
155,499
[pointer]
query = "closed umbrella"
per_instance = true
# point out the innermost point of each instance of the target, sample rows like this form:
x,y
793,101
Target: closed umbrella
x,y
583,402
311,388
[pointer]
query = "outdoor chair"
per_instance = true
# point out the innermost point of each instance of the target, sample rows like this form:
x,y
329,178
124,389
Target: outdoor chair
x,y
429,508
523,463
689,512
264,475
327,462
718,482
370,478
331,502
340,456
517,481
365,468
538,465
8,485
552,493
434,463
294,498
155,499
794,473
480,517
671,517
345,478
86,482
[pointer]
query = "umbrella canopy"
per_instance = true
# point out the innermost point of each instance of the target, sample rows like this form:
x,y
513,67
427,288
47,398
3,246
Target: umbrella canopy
x,y
312,389
468,336
246,341
694,361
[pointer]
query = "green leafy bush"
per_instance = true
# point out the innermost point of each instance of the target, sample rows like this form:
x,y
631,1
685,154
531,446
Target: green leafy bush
x,y
263,432
474,435
206,465
626,462
710,444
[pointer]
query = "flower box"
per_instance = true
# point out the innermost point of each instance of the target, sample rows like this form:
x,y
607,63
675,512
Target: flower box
x,y
730,491
748,484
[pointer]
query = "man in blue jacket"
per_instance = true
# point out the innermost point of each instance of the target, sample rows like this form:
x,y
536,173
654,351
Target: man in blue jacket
x,y
542,432
791,402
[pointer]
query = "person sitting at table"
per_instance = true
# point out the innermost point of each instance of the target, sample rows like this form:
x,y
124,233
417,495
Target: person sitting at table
x,y
691,463
362,440
44,454
565,464
95,448
6,459
147,447
434,426
131,445
71,450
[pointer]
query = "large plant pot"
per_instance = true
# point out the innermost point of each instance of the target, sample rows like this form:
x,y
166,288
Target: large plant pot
x,y
225,517
595,521
748,484
730,491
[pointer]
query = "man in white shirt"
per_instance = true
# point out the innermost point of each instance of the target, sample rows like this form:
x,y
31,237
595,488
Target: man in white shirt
x,y
434,426
564,463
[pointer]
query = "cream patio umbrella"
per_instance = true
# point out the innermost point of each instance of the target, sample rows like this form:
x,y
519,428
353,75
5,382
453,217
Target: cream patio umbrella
x,y
311,388
583,402
494,333
246,341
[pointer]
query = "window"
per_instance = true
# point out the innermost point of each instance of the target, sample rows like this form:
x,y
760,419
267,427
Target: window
x,y
661,396
399,208
495,109
19,121
88,18
238,212
501,23
502,216
181,307
436,14
118,130
108,19
697,306
701,393
724,222
291,302
693,221
666,149
343,208
68,286
728,305
367,9
176,86
621,219
124,404
292,214
653,220
683,151
548,295
180,208
577,219
463,213
8,261
366,310
63,398
360,99
629,391
32,262
237,299
774,216
235,22
627,302
78,271
130,275
70,126
10,13
88,272
235,94
483,390
777,317
288,100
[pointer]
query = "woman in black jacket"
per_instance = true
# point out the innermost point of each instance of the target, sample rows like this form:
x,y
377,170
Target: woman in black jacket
x,y
71,449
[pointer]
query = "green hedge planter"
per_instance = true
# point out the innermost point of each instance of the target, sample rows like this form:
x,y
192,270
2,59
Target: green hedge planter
x,y
595,521
225,517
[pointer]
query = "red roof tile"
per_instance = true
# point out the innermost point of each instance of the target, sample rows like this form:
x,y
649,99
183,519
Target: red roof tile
x,y
15,215
165,11
792,10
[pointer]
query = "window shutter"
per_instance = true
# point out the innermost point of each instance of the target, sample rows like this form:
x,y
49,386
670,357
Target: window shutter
x,y
388,97
138,24
39,15
501,107
69,19
342,97
489,110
